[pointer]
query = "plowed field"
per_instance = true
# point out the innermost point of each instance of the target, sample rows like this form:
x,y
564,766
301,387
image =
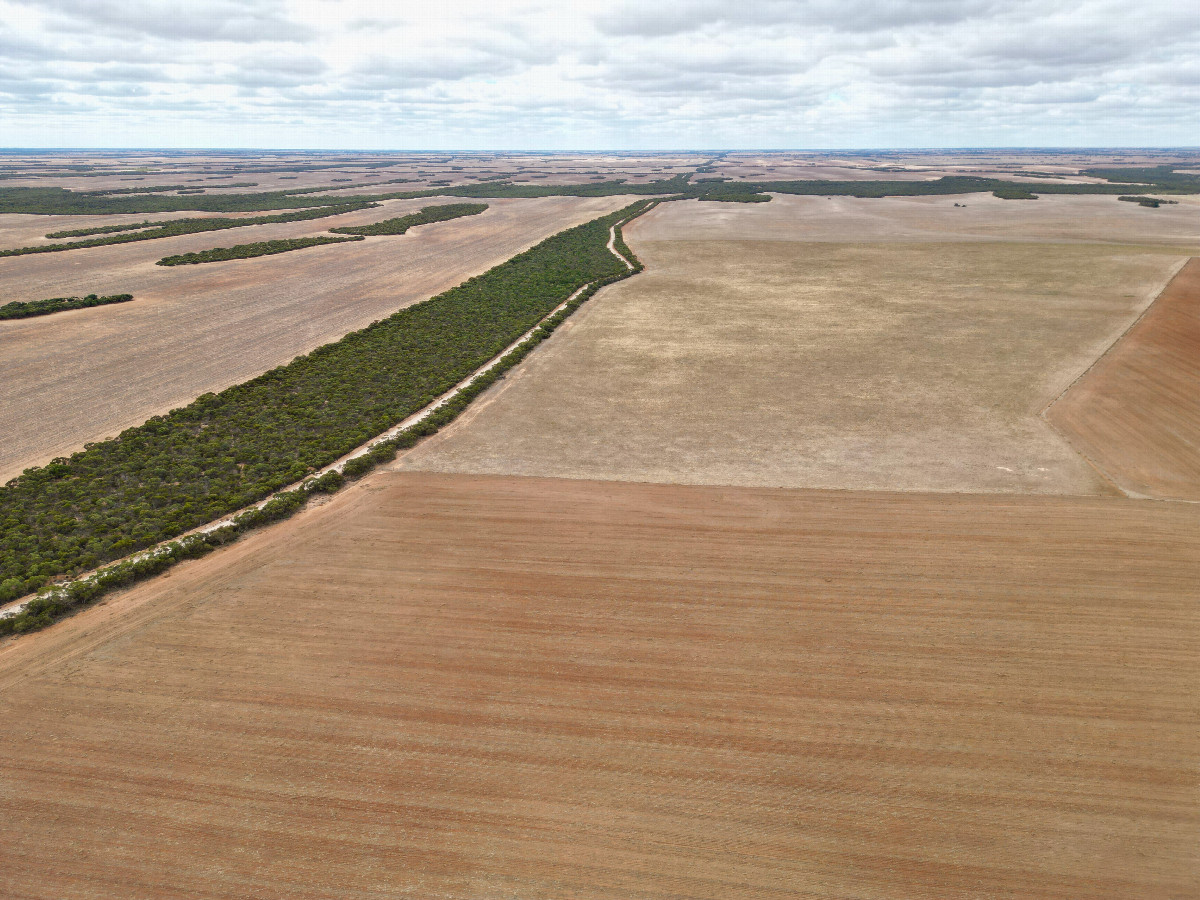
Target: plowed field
x,y
1136,413
455,686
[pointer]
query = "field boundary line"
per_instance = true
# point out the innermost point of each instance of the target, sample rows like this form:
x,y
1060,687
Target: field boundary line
x,y
162,548
1043,415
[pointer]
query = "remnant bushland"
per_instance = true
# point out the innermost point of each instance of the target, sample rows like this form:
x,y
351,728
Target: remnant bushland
x,y
250,251
176,227
32,308
228,450
486,686
194,329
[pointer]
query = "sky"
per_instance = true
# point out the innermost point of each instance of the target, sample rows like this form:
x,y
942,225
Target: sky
x,y
610,75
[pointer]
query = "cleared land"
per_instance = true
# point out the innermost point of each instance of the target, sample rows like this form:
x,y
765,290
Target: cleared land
x,y
1093,219
82,376
1136,413
890,366
452,686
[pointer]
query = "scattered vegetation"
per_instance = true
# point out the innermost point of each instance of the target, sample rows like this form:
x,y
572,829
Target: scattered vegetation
x,y
424,217
31,308
176,227
226,451
249,251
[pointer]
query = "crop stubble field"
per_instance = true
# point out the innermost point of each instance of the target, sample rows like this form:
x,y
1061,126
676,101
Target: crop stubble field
x,y
915,364
83,376
1137,411
458,686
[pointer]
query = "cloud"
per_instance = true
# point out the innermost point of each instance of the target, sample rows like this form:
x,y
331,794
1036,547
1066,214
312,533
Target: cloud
x,y
537,73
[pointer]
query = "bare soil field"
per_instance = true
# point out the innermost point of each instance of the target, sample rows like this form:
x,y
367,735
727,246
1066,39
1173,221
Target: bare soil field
x,y
1091,219
452,687
888,366
82,376
30,277
1136,413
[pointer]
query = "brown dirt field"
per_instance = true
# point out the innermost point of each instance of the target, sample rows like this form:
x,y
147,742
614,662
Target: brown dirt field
x,y
1136,413
18,230
82,376
460,687
1092,219
883,366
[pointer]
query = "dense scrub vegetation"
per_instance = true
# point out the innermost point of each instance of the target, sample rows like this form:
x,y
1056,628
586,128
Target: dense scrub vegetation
x,y
427,215
28,309
176,227
226,451
249,251
1164,178
1014,193
1150,202
105,229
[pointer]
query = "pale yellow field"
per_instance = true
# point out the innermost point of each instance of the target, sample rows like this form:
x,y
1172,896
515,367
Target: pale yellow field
x,y
979,217
892,366
83,376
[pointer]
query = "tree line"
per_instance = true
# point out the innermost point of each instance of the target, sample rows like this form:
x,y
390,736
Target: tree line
x,y
27,309
249,251
226,451
126,234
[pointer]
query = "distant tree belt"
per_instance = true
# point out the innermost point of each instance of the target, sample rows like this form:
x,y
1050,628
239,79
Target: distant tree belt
x,y
249,251
424,217
56,201
28,309
176,227
162,188
225,451
1151,202
1015,192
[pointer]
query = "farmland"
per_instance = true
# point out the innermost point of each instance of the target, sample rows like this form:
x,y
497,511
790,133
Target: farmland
x,y
84,376
487,686
885,365
837,552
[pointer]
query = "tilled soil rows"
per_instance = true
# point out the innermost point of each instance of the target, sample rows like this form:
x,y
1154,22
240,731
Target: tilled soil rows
x,y
460,686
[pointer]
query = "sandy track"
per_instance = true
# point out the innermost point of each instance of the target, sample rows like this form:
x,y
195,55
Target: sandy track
x,y
454,686
83,376
881,366
1136,413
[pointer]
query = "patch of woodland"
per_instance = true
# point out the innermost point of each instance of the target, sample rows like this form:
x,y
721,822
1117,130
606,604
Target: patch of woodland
x,y
229,450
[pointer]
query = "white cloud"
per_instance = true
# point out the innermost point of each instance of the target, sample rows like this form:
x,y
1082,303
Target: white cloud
x,y
544,74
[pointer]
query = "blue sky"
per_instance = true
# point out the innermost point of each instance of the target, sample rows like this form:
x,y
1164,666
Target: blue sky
x,y
463,74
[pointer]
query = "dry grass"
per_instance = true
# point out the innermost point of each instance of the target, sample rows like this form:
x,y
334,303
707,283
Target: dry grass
x,y
1137,412
83,376
888,366
447,686
1092,219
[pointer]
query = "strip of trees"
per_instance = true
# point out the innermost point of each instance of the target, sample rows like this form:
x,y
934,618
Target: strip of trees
x,y
176,227
226,451
249,251
31,308
427,215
